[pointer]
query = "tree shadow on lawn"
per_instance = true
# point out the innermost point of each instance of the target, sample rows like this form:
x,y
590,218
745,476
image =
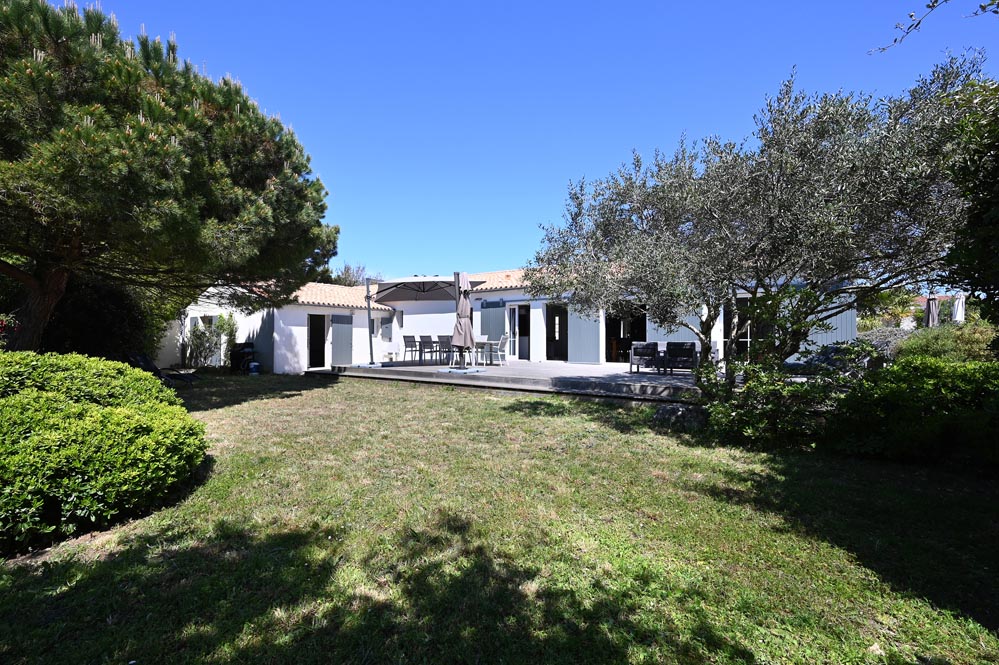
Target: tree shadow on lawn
x,y
930,532
235,597
216,391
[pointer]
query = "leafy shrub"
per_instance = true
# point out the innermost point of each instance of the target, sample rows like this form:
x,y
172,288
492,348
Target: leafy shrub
x,y
83,441
956,343
773,410
81,379
202,345
921,408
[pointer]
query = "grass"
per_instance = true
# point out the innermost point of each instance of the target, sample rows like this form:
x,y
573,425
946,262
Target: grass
x,y
374,522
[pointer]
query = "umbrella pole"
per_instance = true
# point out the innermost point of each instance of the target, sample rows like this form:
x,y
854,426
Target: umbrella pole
x,y
457,300
367,298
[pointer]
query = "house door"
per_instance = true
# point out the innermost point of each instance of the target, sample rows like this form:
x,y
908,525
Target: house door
x,y
556,332
342,327
519,328
317,340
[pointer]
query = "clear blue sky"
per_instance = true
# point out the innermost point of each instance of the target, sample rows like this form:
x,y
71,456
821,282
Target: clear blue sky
x,y
447,132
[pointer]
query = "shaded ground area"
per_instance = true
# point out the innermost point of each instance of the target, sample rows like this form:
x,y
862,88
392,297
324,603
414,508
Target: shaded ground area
x,y
219,390
372,522
929,532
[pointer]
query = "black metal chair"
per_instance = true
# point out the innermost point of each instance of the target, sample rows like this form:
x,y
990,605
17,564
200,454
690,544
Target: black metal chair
x,y
643,354
427,345
444,347
680,355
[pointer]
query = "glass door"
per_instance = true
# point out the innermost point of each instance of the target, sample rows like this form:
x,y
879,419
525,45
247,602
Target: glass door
x,y
512,330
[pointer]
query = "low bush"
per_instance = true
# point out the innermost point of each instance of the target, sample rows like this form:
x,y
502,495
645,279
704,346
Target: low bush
x,y
81,379
774,410
921,408
83,442
957,343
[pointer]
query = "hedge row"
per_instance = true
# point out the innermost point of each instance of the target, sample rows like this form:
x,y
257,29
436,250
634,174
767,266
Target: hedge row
x,y
84,441
918,408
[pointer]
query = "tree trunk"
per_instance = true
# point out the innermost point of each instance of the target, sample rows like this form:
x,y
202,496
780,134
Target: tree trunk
x,y
38,309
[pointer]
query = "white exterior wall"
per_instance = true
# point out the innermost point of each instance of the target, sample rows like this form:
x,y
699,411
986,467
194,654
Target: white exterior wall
x,y
385,341
538,335
255,327
539,332
291,338
422,317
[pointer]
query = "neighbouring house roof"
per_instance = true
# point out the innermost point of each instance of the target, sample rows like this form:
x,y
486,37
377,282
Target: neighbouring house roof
x,y
334,295
920,301
498,280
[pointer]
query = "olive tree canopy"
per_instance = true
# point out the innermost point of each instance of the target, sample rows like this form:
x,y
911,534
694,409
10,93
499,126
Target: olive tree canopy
x,y
837,198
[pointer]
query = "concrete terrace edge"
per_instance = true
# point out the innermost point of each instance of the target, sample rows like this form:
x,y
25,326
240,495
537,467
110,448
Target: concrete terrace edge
x,y
636,390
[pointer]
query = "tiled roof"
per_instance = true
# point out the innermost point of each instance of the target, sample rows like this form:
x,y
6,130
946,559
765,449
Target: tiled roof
x,y
333,295
499,279
920,301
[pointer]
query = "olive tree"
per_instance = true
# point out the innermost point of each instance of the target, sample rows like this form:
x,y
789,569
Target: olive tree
x,y
838,197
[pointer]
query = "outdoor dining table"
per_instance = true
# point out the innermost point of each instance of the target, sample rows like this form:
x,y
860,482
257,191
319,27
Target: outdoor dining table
x,y
484,347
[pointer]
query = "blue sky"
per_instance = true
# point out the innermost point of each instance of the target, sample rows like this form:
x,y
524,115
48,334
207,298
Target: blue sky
x,y
447,132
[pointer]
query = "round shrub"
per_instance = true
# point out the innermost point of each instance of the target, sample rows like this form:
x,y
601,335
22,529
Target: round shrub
x,y
84,441
81,379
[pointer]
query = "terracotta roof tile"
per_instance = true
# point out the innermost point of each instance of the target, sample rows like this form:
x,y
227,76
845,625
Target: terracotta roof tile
x,y
334,295
499,279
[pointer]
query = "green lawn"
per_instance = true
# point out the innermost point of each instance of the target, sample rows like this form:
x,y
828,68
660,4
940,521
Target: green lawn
x,y
374,522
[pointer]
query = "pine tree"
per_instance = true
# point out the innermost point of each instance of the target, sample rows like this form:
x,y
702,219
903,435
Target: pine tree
x,y
121,163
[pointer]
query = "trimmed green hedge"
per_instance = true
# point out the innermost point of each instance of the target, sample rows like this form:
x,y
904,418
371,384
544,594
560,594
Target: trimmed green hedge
x,y
918,408
83,441
922,408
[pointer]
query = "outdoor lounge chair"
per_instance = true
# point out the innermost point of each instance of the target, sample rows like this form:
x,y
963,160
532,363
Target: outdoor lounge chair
x,y
643,354
680,355
169,377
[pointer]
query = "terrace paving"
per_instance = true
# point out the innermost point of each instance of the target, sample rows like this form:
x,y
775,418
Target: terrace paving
x,y
605,380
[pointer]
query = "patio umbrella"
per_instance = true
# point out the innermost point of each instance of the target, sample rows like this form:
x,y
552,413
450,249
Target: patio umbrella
x,y
462,336
931,318
957,314
418,287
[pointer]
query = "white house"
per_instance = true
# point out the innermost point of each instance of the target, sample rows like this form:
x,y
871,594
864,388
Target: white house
x,y
328,327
